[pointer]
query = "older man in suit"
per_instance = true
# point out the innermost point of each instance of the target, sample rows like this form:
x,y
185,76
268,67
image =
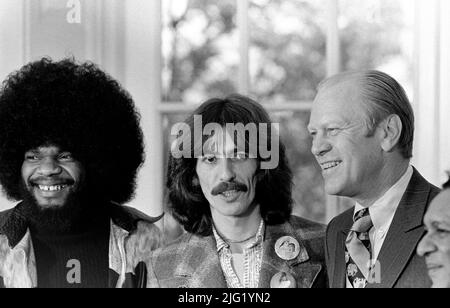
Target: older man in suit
x,y
236,207
362,126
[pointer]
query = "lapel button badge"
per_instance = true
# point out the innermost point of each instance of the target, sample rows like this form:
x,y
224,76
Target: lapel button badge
x,y
287,248
283,280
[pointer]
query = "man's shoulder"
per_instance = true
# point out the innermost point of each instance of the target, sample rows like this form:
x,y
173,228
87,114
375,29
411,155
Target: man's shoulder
x,y
341,221
307,226
189,251
4,215
177,246
128,218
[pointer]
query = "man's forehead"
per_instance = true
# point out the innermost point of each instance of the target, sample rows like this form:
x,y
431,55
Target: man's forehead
x,y
337,104
47,147
439,209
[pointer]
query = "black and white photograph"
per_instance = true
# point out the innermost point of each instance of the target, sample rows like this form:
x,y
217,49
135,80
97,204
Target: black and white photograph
x,y
207,145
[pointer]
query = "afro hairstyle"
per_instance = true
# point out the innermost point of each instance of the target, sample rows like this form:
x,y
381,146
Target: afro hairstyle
x,y
79,108
447,184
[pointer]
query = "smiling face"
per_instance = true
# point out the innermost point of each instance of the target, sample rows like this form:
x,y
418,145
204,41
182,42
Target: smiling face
x,y
351,161
51,176
435,246
228,180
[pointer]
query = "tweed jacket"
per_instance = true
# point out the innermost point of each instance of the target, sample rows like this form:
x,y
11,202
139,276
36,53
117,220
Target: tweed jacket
x,y
400,266
192,261
132,236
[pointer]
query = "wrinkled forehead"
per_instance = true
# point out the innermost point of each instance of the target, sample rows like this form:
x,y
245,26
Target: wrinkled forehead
x,y
339,102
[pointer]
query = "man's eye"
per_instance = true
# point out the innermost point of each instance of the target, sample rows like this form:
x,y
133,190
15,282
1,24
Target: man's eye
x,y
210,159
442,231
31,157
333,131
66,157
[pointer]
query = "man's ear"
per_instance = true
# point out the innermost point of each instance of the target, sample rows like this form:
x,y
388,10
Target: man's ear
x,y
195,181
392,130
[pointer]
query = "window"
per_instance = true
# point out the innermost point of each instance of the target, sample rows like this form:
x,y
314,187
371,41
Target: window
x,y
279,49
200,53
174,54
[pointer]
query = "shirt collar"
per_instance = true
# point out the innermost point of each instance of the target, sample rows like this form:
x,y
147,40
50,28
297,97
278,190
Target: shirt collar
x,y
258,239
383,210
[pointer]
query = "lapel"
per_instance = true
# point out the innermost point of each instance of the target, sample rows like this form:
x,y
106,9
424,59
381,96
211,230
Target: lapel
x,y
405,232
198,265
304,272
17,259
340,271
18,268
129,230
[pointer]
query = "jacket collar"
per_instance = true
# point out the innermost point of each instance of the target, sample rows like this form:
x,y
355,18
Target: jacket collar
x,y
199,263
406,231
14,225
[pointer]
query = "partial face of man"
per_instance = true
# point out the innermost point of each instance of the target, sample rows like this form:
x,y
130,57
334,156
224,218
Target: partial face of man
x,y
435,246
350,160
227,179
51,176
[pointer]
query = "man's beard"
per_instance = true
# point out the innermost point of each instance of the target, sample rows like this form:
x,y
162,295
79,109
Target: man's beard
x,y
79,212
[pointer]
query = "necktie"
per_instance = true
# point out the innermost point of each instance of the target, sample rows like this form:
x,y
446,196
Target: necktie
x,y
358,250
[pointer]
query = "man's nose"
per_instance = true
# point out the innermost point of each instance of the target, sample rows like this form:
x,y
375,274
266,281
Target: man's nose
x,y
320,146
426,246
48,167
227,173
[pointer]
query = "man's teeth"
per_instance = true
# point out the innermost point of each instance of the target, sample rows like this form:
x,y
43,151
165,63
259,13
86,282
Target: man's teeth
x,y
330,165
229,193
51,188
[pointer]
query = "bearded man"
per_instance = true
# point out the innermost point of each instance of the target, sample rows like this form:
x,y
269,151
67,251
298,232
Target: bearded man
x,y
70,148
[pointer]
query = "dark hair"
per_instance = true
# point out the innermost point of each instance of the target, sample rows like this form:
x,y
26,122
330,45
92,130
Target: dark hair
x,y
78,108
447,184
273,188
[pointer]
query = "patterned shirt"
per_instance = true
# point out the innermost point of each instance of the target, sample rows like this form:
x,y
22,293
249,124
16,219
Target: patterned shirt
x,y
252,260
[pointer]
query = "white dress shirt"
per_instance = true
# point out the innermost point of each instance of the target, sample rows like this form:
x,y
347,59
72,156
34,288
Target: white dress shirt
x,y
382,213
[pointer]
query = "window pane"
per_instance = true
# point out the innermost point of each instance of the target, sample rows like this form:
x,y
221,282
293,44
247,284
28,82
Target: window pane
x,y
287,48
200,49
308,192
378,34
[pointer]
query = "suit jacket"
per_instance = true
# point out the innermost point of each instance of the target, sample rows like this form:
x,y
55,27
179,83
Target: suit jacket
x,y
192,261
132,236
400,266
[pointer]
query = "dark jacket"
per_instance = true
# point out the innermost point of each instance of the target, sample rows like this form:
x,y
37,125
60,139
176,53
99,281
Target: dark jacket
x,y
400,266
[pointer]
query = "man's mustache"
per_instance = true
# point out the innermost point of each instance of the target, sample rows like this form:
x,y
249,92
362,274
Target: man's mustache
x,y
228,186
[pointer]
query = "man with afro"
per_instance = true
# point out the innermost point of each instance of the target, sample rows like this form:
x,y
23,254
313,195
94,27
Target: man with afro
x,y
70,148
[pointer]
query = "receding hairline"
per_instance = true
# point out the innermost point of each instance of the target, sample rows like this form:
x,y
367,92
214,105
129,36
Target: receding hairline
x,y
353,78
355,82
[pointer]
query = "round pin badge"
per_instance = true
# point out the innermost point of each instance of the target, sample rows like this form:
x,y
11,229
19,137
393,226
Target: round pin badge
x,y
287,248
283,280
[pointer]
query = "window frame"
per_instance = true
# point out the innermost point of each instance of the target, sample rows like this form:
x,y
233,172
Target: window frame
x,y
334,205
